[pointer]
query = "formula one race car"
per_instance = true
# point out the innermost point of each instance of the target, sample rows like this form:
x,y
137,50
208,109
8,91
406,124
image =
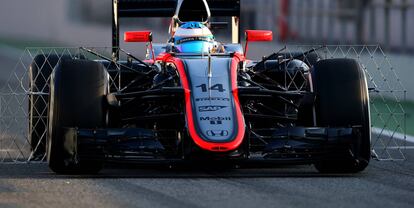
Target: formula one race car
x,y
196,99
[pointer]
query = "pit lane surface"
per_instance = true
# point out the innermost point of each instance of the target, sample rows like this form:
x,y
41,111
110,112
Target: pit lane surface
x,y
383,184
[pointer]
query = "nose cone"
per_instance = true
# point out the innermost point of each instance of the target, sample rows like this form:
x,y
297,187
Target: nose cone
x,y
213,110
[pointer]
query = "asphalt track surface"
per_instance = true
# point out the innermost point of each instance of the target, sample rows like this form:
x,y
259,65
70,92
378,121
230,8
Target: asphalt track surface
x,y
382,184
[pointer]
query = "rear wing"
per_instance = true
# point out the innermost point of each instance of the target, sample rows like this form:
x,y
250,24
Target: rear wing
x,y
166,8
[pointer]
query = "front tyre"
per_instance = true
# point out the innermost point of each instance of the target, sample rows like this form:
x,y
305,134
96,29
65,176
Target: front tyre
x,y
77,100
342,101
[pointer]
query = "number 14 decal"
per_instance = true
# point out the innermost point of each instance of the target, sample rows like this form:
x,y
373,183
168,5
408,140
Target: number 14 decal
x,y
218,87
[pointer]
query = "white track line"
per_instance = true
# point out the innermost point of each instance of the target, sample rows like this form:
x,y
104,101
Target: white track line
x,y
396,135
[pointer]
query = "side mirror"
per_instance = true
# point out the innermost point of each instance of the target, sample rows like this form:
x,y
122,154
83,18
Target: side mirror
x,y
257,36
138,36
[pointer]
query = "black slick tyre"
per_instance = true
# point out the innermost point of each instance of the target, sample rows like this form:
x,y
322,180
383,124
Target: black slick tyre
x,y
77,100
342,101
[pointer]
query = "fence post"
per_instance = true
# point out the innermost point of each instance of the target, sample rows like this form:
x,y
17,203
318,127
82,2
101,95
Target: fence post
x,y
372,24
331,24
319,22
387,23
298,20
359,32
404,8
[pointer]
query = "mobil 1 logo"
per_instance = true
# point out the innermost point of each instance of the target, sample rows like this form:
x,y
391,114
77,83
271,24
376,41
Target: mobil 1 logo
x,y
216,120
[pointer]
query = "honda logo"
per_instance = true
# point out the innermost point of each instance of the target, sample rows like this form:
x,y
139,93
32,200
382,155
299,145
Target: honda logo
x,y
217,133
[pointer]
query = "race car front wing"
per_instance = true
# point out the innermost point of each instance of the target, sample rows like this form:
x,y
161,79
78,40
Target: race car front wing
x,y
295,144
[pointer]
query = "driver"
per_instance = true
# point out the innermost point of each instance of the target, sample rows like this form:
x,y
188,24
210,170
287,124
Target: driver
x,y
195,37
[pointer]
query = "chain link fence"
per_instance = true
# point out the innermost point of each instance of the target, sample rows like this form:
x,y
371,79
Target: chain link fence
x,y
24,97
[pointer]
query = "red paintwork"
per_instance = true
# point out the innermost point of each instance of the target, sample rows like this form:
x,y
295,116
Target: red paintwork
x,y
163,57
149,61
210,146
259,35
138,36
255,36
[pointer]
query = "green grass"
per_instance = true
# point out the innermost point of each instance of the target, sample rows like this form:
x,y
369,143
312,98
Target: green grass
x,y
22,44
393,115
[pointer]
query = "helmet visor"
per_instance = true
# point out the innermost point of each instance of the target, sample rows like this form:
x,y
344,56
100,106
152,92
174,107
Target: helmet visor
x,y
195,46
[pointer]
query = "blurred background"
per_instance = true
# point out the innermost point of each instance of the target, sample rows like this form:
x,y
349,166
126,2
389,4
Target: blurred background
x,y
389,23
73,22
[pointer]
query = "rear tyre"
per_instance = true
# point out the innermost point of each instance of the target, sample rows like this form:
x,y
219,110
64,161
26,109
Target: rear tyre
x,y
39,72
342,101
77,100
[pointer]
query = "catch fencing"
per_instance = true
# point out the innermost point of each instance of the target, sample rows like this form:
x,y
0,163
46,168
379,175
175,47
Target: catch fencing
x,y
22,121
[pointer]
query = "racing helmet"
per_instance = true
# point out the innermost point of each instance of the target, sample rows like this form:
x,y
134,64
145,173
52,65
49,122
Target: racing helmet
x,y
193,37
